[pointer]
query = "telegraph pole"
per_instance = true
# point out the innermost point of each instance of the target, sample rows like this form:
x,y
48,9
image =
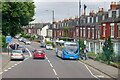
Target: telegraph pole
x,y
79,20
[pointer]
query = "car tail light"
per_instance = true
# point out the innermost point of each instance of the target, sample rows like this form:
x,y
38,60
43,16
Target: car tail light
x,y
11,54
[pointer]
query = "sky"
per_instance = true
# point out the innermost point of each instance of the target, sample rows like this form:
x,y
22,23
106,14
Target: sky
x,y
65,8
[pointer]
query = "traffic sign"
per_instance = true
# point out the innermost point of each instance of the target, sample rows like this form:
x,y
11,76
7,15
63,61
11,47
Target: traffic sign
x,y
8,39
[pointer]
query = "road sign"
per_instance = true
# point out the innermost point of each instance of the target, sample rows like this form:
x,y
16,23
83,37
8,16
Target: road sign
x,y
8,39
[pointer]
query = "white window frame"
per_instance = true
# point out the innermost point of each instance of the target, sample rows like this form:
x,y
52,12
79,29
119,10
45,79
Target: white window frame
x,y
96,18
93,33
88,19
77,31
104,29
88,32
117,13
103,17
92,19
84,32
112,30
110,13
81,32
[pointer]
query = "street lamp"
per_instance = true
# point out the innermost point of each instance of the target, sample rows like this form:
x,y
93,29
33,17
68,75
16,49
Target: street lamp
x,y
53,15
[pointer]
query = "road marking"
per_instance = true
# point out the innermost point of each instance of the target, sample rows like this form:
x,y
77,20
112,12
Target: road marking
x,y
29,52
89,70
5,70
10,68
46,57
51,65
1,72
100,76
49,61
13,66
54,71
58,78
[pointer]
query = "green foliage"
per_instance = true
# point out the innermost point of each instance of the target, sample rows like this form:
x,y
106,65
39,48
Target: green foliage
x,y
3,40
108,50
64,39
81,43
15,15
66,28
48,42
90,54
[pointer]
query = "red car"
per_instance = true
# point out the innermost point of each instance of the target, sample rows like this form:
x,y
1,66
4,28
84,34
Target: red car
x,y
39,54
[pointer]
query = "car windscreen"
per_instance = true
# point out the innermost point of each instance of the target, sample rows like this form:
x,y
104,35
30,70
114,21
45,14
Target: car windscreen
x,y
38,52
71,48
16,51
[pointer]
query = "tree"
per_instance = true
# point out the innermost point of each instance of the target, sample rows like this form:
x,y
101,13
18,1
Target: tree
x,y
108,50
15,15
66,31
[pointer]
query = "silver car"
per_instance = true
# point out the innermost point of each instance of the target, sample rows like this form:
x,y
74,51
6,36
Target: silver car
x,y
17,54
49,47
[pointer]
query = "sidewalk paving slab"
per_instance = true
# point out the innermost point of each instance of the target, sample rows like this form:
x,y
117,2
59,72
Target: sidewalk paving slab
x,y
104,68
4,59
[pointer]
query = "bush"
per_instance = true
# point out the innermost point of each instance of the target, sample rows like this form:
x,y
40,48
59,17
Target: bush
x,y
3,41
48,42
91,55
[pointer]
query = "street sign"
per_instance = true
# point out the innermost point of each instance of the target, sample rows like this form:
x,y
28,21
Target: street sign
x,y
8,39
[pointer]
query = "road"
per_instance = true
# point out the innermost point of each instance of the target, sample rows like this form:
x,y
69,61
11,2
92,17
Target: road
x,y
52,67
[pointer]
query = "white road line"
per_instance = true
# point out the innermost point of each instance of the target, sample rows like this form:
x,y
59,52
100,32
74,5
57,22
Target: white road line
x,y
5,70
13,66
54,71
1,72
100,76
51,65
58,78
46,57
89,70
10,68
49,61
29,52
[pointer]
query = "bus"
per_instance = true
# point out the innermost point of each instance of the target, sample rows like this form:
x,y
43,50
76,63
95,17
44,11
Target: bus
x,y
68,50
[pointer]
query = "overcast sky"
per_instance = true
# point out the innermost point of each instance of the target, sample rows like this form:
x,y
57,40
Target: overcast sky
x,y
65,8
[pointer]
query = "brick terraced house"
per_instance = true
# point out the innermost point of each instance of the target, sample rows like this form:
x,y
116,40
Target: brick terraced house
x,y
93,29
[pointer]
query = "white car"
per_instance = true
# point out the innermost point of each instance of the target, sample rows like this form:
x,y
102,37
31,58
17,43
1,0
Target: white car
x,y
17,54
49,47
27,42
20,39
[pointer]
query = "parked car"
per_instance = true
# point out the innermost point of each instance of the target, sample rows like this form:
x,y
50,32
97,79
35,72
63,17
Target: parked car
x,y
17,54
49,47
17,37
42,45
27,42
38,54
20,39
20,47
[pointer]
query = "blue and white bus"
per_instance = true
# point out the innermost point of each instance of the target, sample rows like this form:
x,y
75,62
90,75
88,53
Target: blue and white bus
x,y
68,50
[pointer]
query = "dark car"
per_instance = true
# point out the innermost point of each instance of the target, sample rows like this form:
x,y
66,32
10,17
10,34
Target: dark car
x,y
42,45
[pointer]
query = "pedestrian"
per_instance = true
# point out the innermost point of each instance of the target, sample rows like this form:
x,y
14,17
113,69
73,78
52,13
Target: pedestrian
x,y
85,53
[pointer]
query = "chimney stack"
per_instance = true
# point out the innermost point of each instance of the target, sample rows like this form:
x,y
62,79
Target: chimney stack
x,y
113,6
91,13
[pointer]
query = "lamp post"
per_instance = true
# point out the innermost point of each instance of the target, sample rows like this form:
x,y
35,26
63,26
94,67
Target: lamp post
x,y
53,18
79,19
53,15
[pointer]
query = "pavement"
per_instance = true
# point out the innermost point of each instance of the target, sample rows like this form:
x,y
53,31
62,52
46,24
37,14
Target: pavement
x,y
4,59
104,68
